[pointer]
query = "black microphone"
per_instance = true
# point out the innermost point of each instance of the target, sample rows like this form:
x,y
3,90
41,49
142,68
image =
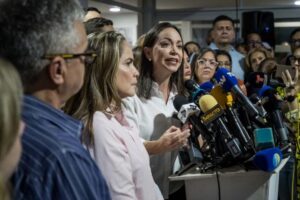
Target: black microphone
x,y
186,114
272,106
194,89
213,116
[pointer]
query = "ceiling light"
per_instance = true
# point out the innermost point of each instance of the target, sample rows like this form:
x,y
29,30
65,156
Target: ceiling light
x,y
114,9
297,3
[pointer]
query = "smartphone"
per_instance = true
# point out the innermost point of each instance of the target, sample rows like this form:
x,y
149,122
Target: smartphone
x,y
283,68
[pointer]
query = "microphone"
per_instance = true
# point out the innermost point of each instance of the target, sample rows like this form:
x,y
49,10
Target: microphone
x,y
268,159
184,108
213,116
207,86
194,89
186,112
229,83
274,113
257,80
226,102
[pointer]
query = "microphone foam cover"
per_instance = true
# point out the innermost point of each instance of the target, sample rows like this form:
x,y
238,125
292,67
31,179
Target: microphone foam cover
x,y
207,102
225,78
179,100
207,86
268,159
263,90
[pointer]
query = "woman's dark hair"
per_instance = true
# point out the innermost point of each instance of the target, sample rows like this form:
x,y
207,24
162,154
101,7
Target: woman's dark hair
x,y
146,68
223,52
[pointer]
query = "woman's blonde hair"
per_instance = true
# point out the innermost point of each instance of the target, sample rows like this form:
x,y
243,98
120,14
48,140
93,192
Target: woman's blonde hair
x,y
10,112
251,52
99,91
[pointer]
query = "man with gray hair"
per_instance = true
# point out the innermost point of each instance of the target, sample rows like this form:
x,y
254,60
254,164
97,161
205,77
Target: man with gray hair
x,y
46,42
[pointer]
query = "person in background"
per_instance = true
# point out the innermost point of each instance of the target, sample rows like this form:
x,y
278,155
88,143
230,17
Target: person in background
x,y
294,41
242,48
50,58
223,36
187,71
289,185
224,59
92,12
192,47
253,40
255,57
209,37
11,125
98,25
152,108
204,67
108,135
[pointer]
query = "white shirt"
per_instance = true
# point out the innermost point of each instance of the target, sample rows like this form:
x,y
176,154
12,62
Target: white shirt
x,y
153,117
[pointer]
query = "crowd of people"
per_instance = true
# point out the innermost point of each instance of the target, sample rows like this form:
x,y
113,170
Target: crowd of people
x,y
84,115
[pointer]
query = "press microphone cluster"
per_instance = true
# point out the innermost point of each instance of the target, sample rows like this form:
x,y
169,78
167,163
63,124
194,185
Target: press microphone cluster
x,y
235,128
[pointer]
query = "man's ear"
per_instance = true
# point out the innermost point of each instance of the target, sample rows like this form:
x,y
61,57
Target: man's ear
x,y
57,70
148,53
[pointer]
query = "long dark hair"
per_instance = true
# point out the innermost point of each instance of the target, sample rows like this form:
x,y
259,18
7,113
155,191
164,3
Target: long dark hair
x,y
146,69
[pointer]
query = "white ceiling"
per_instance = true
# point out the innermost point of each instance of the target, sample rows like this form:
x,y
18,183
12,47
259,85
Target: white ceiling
x,y
196,4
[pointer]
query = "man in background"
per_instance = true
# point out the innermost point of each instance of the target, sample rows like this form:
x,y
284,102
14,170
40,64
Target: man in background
x,y
223,36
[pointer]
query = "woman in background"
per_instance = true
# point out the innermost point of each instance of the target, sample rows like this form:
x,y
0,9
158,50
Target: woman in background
x,y
187,71
224,59
255,57
11,126
204,67
152,109
112,141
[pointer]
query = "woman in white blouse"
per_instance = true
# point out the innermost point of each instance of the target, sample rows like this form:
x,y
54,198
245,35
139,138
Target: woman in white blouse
x,y
113,142
152,108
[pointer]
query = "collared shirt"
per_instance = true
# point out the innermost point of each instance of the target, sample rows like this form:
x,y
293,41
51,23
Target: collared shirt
x,y
126,167
153,117
54,164
237,61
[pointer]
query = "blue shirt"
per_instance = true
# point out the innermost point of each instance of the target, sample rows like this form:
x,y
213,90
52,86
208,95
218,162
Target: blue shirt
x,y
237,61
54,164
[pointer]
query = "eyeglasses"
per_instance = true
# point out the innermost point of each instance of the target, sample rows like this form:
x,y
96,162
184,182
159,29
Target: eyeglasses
x,y
293,60
254,43
86,57
208,62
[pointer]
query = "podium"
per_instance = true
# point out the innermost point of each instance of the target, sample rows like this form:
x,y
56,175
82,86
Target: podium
x,y
234,183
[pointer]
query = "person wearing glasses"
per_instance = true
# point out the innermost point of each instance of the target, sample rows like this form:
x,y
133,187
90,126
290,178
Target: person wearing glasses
x,y
224,59
113,142
294,41
152,110
50,58
11,125
253,40
204,67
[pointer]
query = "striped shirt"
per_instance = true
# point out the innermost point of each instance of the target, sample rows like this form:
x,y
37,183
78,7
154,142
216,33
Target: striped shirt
x,y
54,165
